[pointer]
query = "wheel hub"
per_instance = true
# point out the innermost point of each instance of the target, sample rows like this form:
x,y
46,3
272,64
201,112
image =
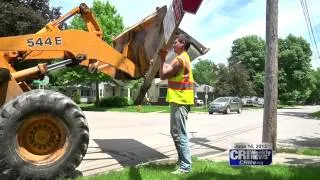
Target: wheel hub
x,y
42,138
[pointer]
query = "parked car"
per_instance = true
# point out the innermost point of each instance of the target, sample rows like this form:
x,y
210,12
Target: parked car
x,y
199,102
245,100
251,101
260,102
225,105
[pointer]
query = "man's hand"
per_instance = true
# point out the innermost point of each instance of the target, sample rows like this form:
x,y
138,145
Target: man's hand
x,y
163,53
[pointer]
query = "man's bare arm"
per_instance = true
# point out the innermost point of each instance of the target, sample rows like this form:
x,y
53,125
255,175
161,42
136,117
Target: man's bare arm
x,y
169,70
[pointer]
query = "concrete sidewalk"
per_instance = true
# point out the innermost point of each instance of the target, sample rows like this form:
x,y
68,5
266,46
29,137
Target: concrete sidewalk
x,y
120,140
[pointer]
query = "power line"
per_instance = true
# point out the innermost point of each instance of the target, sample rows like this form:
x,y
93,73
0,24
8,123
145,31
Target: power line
x,y
316,28
309,26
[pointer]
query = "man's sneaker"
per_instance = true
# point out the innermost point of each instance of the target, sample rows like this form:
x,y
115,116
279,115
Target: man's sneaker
x,y
180,171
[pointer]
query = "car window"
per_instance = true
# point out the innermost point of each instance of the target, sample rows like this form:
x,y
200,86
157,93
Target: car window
x,y
235,100
222,99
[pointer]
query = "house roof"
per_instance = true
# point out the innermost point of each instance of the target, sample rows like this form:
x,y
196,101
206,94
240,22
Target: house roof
x,y
202,88
160,82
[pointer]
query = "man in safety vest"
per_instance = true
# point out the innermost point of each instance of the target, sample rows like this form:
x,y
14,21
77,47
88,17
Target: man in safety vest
x,y
180,95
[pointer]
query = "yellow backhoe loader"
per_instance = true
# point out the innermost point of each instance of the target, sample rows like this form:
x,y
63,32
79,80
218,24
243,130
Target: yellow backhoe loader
x,y
44,134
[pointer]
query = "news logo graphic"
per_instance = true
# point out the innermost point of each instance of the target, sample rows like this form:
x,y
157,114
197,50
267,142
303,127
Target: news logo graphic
x,y
246,154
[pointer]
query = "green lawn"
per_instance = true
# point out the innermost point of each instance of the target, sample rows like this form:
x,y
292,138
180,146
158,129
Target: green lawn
x,y
316,114
163,109
283,106
304,151
199,109
141,109
206,169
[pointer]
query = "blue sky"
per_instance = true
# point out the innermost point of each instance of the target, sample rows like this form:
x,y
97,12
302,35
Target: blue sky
x,y
219,22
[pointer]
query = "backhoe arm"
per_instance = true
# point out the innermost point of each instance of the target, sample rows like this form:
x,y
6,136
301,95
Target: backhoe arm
x,y
85,48
72,43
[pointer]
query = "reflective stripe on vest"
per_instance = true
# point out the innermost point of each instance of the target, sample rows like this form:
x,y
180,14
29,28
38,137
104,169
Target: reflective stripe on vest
x,y
180,85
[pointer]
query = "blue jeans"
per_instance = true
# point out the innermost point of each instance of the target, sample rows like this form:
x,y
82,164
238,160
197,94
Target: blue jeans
x,y
178,130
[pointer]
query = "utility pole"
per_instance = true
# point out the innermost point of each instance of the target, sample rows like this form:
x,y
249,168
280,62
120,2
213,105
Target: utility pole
x,y
269,134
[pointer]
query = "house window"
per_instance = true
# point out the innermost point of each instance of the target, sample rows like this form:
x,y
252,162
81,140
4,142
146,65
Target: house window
x,y
100,93
162,92
85,92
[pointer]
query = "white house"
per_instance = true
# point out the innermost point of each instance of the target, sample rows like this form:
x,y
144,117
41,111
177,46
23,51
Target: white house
x,y
88,92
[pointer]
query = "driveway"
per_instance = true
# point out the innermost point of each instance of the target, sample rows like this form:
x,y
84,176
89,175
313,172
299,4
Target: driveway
x,y
124,139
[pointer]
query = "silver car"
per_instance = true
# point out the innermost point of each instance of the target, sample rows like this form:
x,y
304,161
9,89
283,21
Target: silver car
x,y
225,105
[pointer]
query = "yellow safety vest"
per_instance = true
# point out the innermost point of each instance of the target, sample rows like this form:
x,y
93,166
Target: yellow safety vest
x,y
181,86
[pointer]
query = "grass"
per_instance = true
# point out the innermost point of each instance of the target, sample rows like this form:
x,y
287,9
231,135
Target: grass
x,y
199,109
316,114
283,106
206,169
141,109
303,151
279,106
163,109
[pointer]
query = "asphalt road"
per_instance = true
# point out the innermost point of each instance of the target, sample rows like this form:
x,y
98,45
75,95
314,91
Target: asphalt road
x,y
119,139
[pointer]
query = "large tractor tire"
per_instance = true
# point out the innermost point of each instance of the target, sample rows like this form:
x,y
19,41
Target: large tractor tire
x,y
43,135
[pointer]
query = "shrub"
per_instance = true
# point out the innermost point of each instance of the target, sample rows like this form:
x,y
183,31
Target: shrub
x,y
291,103
114,101
130,102
76,97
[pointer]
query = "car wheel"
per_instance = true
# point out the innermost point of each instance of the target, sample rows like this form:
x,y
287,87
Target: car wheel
x,y
239,110
228,110
210,112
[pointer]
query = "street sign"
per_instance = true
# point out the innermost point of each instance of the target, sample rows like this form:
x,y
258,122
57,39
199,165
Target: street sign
x,y
191,6
177,9
169,24
175,14
172,19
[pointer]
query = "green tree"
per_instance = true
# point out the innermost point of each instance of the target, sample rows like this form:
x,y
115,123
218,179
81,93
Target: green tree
x,y
25,16
314,97
107,17
239,81
78,75
295,78
258,84
222,85
250,52
232,81
203,72
112,24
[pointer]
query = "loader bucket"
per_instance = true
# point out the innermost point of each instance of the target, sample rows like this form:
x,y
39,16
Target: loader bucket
x,y
139,43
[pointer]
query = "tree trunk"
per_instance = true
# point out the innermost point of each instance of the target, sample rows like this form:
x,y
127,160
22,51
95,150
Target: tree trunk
x,y
97,94
269,134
